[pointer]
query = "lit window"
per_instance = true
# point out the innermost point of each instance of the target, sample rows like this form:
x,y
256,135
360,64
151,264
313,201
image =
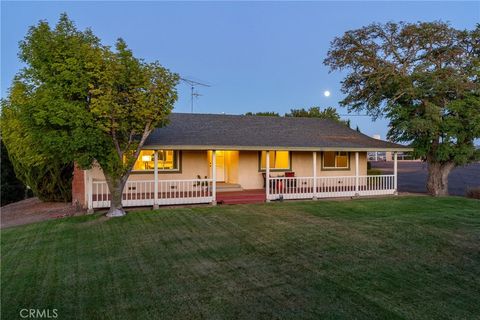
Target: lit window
x,y
279,160
167,160
335,160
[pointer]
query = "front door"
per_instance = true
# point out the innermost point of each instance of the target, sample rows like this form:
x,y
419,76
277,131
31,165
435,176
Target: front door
x,y
220,157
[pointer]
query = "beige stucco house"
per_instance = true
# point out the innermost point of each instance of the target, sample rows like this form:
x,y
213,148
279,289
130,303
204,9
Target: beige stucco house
x,y
197,157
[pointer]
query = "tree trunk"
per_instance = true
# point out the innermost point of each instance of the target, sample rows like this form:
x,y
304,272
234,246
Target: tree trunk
x,y
437,180
116,186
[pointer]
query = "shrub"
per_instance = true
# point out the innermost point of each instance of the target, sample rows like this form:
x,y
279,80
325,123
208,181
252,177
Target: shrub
x,y
473,193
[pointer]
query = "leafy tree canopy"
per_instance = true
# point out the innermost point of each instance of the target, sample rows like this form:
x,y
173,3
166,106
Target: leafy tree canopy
x,y
87,103
424,77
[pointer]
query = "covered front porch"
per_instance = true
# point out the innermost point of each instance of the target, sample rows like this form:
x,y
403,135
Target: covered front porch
x,y
227,168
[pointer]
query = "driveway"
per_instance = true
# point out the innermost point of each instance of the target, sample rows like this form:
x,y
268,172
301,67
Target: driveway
x,y
412,176
33,210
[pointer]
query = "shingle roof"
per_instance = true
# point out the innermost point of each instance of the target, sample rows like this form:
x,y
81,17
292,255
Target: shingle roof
x,y
219,131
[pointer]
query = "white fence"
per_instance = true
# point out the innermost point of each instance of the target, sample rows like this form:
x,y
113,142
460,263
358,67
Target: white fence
x,y
142,193
376,185
325,187
170,192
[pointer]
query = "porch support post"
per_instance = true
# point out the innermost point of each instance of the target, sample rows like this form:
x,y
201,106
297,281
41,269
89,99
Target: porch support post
x,y
267,175
314,154
214,177
356,174
89,192
395,173
155,180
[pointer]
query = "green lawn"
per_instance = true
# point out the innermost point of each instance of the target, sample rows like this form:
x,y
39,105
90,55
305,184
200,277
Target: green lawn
x,y
416,258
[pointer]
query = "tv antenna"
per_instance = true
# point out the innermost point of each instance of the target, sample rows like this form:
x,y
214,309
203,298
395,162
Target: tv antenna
x,y
193,93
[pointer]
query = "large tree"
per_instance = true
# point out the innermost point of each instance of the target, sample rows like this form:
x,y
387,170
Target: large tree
x,y
87,103
424,77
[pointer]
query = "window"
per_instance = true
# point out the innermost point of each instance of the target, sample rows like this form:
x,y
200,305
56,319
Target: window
x,y
279,160
167,160
335,160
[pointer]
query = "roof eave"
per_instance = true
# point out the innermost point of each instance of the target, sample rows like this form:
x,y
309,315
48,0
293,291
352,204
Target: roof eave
x,y
260,148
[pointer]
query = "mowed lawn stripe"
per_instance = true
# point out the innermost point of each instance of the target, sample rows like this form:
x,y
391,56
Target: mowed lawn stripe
x,y
407,257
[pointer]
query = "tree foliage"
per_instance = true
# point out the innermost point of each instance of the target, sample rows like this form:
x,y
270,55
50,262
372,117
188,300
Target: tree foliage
x,y
315,112
264,114
85,102
424,77
48,176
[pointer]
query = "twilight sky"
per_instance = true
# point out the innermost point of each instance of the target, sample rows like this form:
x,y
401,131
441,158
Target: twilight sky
x,y
257,56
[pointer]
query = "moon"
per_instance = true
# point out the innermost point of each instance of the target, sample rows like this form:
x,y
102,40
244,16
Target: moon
x,y
326,93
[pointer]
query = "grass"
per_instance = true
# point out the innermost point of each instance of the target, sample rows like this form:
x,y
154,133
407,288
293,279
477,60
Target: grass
x,y
397,258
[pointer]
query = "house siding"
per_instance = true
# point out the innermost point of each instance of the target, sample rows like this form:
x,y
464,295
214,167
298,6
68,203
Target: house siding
x,y
248,175
242,168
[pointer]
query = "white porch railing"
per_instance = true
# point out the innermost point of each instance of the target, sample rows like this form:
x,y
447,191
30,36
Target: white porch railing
x,y
290,188
325,187
142,192
171,192
376,185
329,187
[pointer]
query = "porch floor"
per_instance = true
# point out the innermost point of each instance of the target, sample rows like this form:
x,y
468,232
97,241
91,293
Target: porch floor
x,y
241,197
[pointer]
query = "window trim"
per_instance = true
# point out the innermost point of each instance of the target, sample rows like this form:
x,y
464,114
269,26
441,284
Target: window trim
x,y
347,168
177,156
272,169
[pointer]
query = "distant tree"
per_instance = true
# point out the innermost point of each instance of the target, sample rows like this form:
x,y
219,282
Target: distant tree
x,y
87,103
12,189
358,129
315,112
266,114
424,77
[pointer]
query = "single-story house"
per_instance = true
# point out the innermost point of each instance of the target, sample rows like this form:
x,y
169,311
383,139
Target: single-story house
x,y
199,158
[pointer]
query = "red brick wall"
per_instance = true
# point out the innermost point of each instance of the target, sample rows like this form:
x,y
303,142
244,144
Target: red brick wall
x,y
78,187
